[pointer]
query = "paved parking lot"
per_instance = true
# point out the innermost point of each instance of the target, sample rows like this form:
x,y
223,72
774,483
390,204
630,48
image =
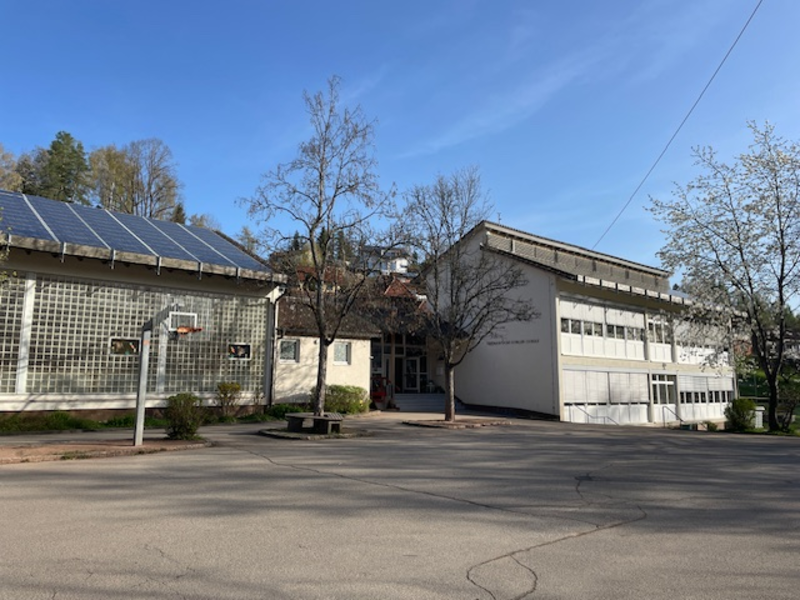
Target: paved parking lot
x,y
532,510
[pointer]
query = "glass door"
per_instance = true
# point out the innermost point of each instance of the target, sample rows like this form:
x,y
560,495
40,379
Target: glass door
x,y
411,375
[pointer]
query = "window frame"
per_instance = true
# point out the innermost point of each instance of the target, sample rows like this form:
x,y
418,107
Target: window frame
x,y
348,352
295,354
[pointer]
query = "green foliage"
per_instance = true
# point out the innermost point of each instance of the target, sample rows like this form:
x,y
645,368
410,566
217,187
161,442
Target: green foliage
x,y
55,421
345,399
711,426
256,418
278,411
184,415
128,420
65,174
228,393
740,414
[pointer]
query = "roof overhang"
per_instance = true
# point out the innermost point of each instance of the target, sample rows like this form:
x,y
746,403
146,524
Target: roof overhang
x,y
112,257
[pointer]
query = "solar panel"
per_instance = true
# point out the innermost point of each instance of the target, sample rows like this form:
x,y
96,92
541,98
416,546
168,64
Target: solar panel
x,y
64,223
204,252
234,254
148,231
17,218
112,233
46,219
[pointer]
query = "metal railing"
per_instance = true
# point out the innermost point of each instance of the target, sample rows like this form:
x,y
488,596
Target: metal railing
x,y
665,408
606,419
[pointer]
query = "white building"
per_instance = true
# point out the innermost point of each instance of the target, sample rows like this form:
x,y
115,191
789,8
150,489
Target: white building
x,y
605,349
297,352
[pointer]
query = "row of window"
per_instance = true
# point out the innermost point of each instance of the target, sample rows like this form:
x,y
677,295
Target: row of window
x,y
597,329
710,397
289,351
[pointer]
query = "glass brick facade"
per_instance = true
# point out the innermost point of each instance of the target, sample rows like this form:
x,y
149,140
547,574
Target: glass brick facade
x,y
74,322
12,292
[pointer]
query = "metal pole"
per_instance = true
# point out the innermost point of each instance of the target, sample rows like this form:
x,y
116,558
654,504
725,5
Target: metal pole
x,y
144,359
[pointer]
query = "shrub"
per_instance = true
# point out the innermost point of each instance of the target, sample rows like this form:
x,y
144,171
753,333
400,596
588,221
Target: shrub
x,y
55,421
347,399
128,420
228,397
740,414
711,426
184,415
278,411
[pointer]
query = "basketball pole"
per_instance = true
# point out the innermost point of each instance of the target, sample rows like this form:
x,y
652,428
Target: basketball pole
x,y
144,359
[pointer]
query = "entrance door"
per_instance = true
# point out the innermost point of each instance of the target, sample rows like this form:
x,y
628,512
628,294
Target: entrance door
x,y
663,401
411,375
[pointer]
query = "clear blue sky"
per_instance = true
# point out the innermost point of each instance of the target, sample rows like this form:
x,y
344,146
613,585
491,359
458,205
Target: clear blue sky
x,y
563,104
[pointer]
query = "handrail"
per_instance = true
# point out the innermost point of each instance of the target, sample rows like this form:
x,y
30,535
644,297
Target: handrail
x,y
670,409
605,418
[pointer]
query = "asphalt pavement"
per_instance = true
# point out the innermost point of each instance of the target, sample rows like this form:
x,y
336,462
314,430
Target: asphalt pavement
x,y
530,510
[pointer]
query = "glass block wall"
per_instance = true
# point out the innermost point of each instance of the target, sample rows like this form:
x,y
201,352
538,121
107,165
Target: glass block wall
x,y
12,292
76,324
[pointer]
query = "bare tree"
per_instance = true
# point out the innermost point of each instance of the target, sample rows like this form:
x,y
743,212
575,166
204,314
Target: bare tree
x,y
112,178
205,220
139,179
328,192
734,232
10,180
470,289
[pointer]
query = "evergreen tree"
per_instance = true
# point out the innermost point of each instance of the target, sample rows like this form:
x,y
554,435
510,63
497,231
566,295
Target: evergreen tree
x,y
65,173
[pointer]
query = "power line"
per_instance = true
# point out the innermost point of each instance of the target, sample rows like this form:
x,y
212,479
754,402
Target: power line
x,y
678,130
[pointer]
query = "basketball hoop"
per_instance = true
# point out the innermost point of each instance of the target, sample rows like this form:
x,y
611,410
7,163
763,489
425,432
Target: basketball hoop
x,y
185,330
181,324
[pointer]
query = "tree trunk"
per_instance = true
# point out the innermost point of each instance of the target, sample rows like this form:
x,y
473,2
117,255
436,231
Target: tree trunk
x,y
449,393
772,409
322,375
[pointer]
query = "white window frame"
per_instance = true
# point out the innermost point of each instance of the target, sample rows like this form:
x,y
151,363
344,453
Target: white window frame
x,y
348,352
296,358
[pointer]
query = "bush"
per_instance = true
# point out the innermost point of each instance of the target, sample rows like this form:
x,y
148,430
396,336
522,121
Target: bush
x,y
54,421
128,420
346,399
184,415
740,414
711,426
228,397
278,411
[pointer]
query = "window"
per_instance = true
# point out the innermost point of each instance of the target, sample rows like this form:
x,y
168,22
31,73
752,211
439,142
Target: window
x,y
659,332
289,351
341,353
124,347
239,351
635,334
615,332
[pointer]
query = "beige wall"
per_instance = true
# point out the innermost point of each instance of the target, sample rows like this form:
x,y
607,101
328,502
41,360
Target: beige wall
x,y
294,380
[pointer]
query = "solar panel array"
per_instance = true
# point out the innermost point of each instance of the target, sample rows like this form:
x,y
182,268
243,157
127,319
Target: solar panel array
x,y
40,218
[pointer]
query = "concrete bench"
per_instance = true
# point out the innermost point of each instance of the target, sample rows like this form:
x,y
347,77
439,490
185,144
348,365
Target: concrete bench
x,y
326,424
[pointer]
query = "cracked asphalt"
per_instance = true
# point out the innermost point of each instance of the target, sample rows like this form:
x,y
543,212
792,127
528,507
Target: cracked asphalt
x,y
534,510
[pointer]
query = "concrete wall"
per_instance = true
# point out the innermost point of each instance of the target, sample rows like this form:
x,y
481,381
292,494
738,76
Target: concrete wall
x,y
515,367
